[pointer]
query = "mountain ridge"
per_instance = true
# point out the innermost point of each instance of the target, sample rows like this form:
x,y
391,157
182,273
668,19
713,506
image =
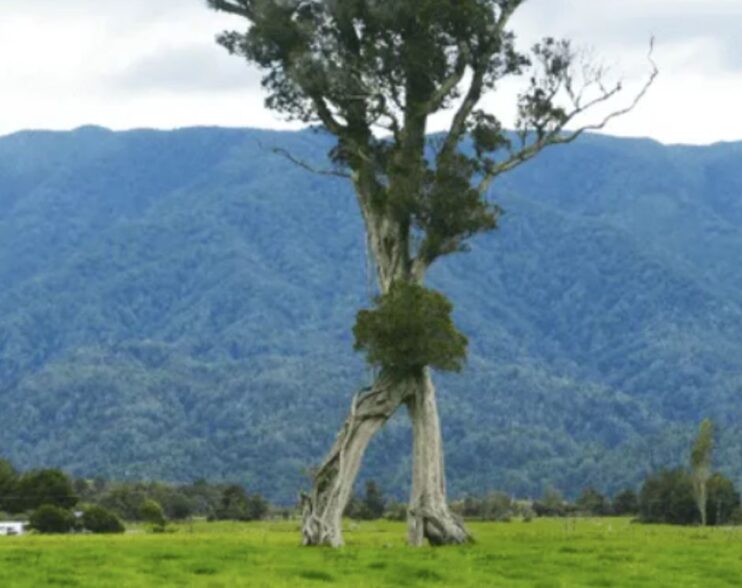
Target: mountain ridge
x,y
178,304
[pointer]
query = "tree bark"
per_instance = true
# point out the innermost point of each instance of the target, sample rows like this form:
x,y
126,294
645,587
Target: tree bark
x,y
322,511
429,516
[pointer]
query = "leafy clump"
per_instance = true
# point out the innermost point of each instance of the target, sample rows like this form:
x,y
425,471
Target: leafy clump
x,y
409,329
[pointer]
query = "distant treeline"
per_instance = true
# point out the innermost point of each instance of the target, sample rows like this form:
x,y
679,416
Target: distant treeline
x,y
52,501
55,502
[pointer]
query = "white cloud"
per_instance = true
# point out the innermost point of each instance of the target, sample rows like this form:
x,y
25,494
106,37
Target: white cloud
x,y
64,63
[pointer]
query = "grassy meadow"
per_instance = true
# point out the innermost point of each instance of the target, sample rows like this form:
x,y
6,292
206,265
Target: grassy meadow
x,y
545,553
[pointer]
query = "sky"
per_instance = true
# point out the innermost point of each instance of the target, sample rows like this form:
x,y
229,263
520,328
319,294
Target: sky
x,y
154,63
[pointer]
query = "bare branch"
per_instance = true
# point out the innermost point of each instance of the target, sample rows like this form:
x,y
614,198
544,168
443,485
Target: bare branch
x,y
307,166
558,137
239,8
450,83
328,119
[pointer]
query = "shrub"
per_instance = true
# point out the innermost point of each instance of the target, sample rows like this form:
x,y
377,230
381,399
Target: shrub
x,y
44,487
626,503
735,518
551,505
52,519
97,519
592,502
237,505
723,499
667,497
151,512
410,328
395,511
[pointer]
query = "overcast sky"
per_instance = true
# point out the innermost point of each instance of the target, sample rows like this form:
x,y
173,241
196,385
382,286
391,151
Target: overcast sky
x,y
153,63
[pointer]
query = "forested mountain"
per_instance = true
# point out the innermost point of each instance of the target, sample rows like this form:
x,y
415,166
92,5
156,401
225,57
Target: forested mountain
x,y
176,305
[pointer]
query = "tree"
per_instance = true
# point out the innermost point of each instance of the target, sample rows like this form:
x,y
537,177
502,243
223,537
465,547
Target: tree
x,y
700,463
552,504
46,487
8,483
667,497
592,502
373,73
626,503
151,512
237,505
178,506
97,519
723,498
373,503
51,519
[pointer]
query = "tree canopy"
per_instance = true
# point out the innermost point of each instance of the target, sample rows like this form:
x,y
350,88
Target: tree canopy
x,y
373,72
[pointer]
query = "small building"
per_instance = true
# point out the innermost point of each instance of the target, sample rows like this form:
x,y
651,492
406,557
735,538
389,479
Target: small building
x,y
8,529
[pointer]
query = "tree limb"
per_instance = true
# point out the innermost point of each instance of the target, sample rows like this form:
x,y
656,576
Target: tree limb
x,y
557,137
237,7
307,166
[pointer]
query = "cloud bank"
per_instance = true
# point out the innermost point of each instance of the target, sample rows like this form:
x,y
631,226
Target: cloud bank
x,y
154,63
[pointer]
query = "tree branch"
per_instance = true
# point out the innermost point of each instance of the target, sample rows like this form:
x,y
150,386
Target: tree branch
x,y
241,8
307,166
450,83
557,137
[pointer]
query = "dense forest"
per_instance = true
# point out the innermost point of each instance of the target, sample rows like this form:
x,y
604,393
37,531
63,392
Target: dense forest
x,y
174,305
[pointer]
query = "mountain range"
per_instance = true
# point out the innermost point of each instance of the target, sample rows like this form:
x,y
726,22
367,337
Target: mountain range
x,y
177,305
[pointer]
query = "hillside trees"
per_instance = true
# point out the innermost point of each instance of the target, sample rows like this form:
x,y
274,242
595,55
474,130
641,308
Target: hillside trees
x,y
8,481
372,74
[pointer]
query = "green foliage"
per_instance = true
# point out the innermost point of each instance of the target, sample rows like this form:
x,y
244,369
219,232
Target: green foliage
x,y
552,504
51,519
496,506
625,503
395,511
667,497
45,487
173,310
410,328
722,501
237,505
371,507
374,501
8,483
703,448
97,519
179,507
151,512
592,502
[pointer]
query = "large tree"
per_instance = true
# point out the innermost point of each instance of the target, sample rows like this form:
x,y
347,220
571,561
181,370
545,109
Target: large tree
x,y
372,73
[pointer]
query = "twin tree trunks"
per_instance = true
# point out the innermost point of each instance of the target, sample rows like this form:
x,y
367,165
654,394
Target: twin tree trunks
x,y
429,516
372,74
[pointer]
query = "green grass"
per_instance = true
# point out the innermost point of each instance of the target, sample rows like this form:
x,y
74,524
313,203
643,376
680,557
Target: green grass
x,y
540,554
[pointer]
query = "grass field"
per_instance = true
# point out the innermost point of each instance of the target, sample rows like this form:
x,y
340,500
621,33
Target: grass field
x,y
541,554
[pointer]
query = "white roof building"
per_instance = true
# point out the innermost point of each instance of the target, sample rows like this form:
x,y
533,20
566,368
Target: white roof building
x,y
12,528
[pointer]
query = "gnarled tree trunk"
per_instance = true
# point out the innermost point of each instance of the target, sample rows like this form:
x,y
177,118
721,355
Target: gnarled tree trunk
x,y
322,511
429,516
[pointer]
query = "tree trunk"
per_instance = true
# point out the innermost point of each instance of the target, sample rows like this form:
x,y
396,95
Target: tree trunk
x,y
429,516
322,511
